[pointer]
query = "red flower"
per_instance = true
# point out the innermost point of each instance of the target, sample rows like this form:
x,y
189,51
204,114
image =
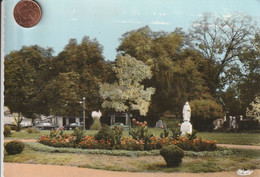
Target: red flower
x,y
137,122
179,124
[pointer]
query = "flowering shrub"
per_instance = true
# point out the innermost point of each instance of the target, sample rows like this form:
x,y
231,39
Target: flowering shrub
x,y
118,132
127,143
140,132
131,144
79,134
112,139
105,133
59,141
196,144
57,138
89,142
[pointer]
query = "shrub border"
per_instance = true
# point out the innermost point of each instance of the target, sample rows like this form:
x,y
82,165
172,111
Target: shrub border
x,y
45,148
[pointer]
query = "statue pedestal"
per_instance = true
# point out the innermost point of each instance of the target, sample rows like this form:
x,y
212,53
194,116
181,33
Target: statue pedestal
x,y
186,127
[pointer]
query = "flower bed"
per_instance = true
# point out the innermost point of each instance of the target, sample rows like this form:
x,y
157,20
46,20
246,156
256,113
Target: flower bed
x,y
128,143
109,139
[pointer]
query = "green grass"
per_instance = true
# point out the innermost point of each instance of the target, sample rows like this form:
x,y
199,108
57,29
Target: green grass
x,y
26,135
232,138
246,159
44,148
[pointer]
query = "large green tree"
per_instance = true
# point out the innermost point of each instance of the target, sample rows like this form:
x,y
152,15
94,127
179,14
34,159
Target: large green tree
x,y
26,72
38,83
221,41
249,79
85,60
62,95
127,93
179,74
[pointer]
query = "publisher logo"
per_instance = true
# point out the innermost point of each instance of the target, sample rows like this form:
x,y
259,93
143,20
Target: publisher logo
x,y
244,172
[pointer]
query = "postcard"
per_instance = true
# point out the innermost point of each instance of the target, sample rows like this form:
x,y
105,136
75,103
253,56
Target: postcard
x,y
130,88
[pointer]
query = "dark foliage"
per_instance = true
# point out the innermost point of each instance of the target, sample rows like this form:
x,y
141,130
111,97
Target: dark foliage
x,y
172,155
14,147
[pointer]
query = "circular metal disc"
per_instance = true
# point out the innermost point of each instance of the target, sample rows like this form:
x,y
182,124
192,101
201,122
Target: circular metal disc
x,y
27,13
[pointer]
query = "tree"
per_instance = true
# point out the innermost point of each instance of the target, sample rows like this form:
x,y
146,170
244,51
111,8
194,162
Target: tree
x,y
221,41
248,85
85,60
127,93
255,111
38,83
26,73
203,112
231,101
62,95
179,74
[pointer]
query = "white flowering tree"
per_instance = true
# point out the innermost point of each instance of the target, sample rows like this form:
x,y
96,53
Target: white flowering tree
x,y
255,111
127,93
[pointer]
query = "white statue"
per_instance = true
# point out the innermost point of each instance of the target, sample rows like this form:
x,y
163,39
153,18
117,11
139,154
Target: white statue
x,y
96,114
186,126
186,112
234,122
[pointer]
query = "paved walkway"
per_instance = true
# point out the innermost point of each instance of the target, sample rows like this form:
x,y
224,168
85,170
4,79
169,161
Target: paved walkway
x,y
23,140
34,170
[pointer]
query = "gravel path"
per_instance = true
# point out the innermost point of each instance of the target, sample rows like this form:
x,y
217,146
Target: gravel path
x,y
33,170
23,140
239,146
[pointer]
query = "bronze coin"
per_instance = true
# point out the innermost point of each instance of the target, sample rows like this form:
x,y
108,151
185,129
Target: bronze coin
x,y
27,13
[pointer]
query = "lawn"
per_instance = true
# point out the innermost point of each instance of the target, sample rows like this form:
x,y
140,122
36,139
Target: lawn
x,y
240,159
222,138
232,138
25,135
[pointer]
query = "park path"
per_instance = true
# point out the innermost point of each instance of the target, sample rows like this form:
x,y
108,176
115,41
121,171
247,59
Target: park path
x,y
235,146
23,140
35,170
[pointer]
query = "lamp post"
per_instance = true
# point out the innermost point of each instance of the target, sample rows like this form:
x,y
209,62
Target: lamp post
x,y
84,117
84,108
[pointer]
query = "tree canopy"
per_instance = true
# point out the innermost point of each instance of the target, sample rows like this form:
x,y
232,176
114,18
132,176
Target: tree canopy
x,y
127,93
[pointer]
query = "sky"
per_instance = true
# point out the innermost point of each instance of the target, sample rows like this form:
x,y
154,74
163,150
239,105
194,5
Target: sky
x,y
107,20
